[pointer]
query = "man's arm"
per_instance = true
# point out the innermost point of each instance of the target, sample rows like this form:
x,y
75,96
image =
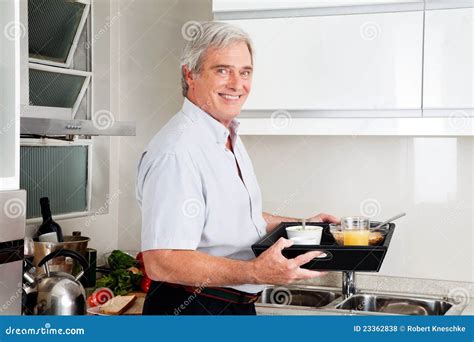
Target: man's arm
x,y
274,220
190,267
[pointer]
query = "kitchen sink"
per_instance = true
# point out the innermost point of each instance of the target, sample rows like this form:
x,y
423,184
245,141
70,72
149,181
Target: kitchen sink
x,y
328,300
298,296
395,305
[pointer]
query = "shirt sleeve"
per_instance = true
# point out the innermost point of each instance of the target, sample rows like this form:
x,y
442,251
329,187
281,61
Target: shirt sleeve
x,y
172,202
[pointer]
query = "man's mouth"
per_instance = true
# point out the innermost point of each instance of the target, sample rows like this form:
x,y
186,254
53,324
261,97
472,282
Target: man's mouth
x,y
229,97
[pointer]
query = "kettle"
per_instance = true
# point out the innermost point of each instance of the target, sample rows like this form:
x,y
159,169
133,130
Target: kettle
x,y
56,293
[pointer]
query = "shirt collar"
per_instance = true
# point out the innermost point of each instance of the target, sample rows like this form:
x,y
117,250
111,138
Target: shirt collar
x,y
217,130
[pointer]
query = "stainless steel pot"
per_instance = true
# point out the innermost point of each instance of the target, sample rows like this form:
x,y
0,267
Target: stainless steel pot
x,y
56,293
60,263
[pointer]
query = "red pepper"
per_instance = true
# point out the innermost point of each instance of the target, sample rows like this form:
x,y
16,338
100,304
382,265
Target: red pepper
x,y
145,282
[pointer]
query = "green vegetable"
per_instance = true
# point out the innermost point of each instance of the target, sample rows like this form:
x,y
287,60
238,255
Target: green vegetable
x,y
125,276
107,281
120,260
121,281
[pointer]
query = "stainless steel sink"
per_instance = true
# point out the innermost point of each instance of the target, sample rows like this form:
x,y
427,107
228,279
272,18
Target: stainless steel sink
x,y
326,300
298,296
399,305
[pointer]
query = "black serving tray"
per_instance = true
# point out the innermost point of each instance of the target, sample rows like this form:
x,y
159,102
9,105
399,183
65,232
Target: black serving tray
x,y
335,257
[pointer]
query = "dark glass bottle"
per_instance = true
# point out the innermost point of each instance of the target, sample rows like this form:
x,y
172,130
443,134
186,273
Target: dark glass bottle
x,y
48,225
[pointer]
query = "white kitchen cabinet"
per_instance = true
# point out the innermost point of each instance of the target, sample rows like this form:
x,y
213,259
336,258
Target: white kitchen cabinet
x,y
445,4
247,9
448,60
337,63
262,5
13,32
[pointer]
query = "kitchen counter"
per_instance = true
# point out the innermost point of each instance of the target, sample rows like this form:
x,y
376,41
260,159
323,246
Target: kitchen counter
x,y
469,310
373,283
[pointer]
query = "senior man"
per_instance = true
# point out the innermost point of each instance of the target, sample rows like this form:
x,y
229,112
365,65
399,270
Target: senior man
x,y
200,199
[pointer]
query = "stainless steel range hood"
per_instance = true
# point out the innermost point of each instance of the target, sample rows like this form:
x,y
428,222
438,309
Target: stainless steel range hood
x,y
57,127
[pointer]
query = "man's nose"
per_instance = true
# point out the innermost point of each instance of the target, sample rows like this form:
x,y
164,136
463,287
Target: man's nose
x,y
235,82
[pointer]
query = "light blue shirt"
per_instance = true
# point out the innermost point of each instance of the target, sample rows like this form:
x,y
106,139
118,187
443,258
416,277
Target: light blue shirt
x,y
190,192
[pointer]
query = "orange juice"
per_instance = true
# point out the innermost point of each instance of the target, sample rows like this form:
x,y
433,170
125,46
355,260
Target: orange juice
x,y
358,237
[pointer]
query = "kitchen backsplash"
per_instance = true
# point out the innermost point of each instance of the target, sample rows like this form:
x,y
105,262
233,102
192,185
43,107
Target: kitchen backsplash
x,y
431,179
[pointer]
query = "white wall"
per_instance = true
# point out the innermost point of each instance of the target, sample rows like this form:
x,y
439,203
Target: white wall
x,y
149,45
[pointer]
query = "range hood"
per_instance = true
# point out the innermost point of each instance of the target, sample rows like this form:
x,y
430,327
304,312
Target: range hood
x,y
58,127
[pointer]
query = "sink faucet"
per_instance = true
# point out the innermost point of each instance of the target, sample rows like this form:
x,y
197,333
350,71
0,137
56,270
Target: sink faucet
x,y
348,283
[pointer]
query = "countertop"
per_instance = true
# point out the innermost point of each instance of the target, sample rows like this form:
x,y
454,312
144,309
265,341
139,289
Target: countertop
x,y
367,282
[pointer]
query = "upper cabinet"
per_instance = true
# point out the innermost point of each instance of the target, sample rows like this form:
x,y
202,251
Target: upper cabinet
x,y
340,62
448,59
243,6
59,59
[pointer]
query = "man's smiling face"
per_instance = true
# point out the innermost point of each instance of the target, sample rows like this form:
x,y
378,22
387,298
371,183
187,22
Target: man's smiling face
x,y
223,83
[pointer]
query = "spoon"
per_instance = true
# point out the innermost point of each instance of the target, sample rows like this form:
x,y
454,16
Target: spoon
x,y
390,220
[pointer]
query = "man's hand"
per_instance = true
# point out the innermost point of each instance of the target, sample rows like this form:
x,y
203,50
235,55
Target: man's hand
x,y
271,267
324,218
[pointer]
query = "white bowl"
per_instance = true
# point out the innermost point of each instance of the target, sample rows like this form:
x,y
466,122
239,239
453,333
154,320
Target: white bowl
x,y
305,241
309,233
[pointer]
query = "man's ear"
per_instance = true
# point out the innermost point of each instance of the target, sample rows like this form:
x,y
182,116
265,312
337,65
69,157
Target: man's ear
x,y
188,75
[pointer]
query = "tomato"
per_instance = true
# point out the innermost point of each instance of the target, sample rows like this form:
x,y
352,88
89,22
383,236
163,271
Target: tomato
x,y
91,302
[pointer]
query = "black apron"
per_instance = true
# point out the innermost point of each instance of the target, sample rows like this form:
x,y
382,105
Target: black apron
x,y
172,299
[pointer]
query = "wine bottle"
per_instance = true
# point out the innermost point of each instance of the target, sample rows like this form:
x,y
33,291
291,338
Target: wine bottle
x,y
49,225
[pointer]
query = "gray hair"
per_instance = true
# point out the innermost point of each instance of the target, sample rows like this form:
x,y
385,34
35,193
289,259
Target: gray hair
x,y
201,37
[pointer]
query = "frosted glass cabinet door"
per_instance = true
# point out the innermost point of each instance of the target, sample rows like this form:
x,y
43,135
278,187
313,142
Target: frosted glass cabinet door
x,y
366,61
11,32
448,75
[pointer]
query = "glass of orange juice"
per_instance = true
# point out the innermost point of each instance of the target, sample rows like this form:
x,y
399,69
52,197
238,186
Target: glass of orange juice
x,y
355,230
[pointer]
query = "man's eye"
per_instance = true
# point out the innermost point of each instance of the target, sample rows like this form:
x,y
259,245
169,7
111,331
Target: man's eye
x,y
246,73
222,71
